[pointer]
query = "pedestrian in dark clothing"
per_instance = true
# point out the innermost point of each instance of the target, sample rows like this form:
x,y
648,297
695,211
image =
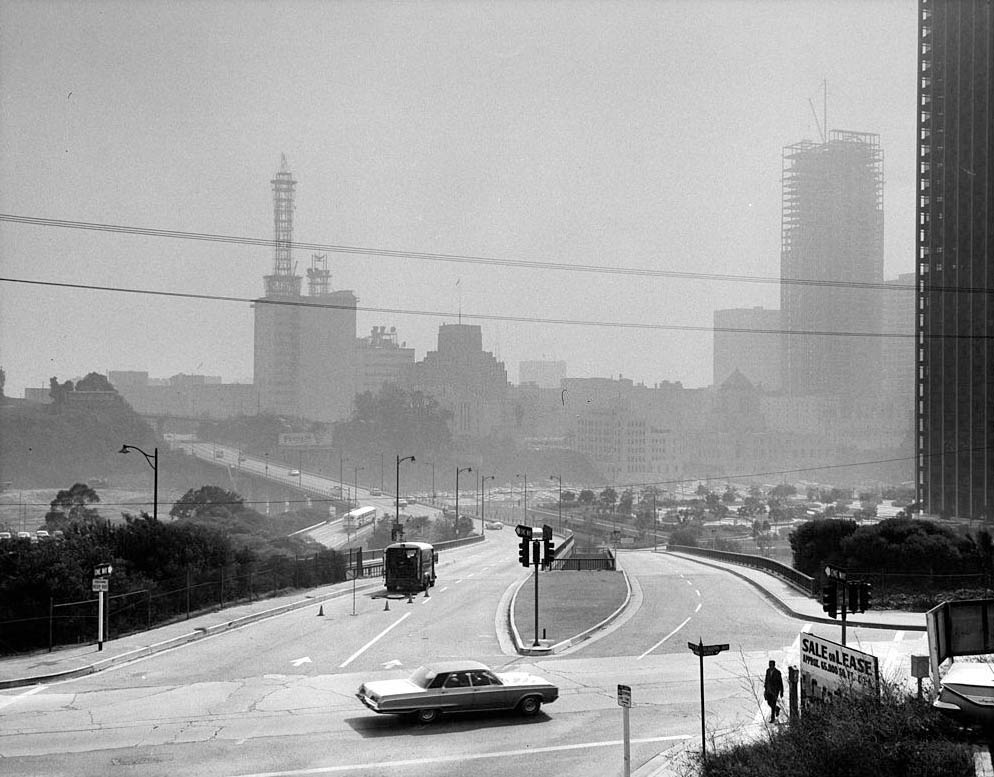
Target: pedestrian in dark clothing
x,y
773,689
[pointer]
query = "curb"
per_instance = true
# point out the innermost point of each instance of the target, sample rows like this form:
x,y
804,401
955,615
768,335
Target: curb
x,y
861,623
192,636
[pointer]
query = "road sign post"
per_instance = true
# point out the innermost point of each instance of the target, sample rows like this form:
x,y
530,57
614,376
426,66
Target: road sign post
x,y
700,650
625,702
101,586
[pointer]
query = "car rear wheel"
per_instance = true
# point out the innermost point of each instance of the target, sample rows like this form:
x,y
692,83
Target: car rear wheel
x,y
530,705
427,716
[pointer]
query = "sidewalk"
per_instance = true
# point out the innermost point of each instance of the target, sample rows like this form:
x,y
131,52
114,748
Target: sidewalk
x,y
799,605
67,662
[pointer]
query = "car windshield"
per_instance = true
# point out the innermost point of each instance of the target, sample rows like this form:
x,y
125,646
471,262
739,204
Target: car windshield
x,y
422,676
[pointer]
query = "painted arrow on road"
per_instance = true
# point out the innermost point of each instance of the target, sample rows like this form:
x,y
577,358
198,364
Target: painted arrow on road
x,y
299,661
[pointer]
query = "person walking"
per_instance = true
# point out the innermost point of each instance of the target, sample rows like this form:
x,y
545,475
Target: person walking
x,y
773,690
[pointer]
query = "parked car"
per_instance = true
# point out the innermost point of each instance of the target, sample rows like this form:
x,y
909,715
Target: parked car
x,y
494,525
294,473
41,534
966,693
457,686
6,535
25,535
375,492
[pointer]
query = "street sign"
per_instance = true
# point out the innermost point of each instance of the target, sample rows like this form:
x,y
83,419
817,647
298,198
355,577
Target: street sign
x,y
523,531
835,572
700,649
104,570
624,696
101,584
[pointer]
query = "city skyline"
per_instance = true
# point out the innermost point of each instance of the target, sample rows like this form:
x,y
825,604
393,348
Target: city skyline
x,y
614,140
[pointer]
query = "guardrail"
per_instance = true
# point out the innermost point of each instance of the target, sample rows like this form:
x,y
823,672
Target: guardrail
x,y
372,560
809,585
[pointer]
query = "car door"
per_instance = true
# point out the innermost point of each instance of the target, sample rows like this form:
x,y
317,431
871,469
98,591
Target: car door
x,y
456,692
488,692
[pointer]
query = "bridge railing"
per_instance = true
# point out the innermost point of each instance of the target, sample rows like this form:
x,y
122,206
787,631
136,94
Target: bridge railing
x,y
808,585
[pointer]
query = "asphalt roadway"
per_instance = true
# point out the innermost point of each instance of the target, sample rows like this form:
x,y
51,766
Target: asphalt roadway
x,y
66,663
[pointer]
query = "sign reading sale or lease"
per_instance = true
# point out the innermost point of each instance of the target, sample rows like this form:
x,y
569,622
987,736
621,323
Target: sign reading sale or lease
x,y
828,668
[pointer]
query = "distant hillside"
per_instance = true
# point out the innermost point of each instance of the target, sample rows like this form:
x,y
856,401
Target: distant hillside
x,y
39,447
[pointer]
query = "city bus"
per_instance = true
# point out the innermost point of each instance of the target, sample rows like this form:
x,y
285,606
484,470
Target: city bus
x,y
409,566
356,519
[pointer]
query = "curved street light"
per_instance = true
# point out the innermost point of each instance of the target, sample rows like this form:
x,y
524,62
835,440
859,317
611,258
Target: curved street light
x,y
153,462
396,520
559,478
458,470
525,476
356,480
483,500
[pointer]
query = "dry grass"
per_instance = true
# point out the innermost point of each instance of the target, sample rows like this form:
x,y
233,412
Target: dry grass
x,y
568,603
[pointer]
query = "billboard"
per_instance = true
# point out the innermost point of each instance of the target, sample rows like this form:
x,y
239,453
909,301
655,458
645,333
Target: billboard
x,y
828,668
295,439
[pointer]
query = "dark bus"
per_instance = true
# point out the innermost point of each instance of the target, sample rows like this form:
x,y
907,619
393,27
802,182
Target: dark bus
x,y
409,566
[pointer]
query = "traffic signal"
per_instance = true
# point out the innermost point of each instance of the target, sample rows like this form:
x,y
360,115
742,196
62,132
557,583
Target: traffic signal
x,y
524,556
865,595
548,548
830,599
852,596
397,533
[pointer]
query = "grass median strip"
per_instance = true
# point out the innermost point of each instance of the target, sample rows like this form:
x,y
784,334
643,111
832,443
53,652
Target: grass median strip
x,y
569,603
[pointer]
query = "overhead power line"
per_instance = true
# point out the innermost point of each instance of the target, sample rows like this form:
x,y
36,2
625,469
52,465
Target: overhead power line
x,y
468,259
314,303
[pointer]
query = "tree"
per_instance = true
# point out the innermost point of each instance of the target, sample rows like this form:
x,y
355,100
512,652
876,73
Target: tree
x,y
608,497
94,381
818,542
586,497
782,491
207,501
625,502
72,506
730,495
568,498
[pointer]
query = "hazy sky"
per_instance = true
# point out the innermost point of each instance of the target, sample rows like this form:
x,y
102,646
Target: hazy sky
x,y
624,134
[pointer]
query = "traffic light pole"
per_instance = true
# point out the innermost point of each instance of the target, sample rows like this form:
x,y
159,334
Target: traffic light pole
x,y
844,604
535,555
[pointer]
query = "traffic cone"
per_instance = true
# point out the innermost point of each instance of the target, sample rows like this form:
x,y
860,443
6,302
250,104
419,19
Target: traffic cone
x,y
427,595
321,611
410,597
386,606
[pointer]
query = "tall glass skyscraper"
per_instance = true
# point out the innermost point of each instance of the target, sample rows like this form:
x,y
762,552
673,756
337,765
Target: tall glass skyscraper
x,y
955,274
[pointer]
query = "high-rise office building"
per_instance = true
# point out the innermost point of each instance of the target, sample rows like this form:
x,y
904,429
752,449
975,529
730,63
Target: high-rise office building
x,y
831,264
305,346
955,275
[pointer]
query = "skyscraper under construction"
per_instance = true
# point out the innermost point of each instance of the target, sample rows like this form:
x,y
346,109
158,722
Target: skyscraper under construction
x,y
831,264
305,357
955,273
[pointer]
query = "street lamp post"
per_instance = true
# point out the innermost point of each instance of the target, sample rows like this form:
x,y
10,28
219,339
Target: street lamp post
x,y
483,498
396,520
434,494
560,480
357,468
525,501
458,470
153,462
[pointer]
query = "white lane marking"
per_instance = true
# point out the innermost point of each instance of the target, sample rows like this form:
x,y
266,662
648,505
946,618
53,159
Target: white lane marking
x,y
299,661
898,636
462,757
444,588
8,700
698,607
663,639
373,641
470,574
688,582
696,591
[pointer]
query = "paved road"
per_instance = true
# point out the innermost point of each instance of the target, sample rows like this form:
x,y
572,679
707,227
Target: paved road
x,y
276,697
